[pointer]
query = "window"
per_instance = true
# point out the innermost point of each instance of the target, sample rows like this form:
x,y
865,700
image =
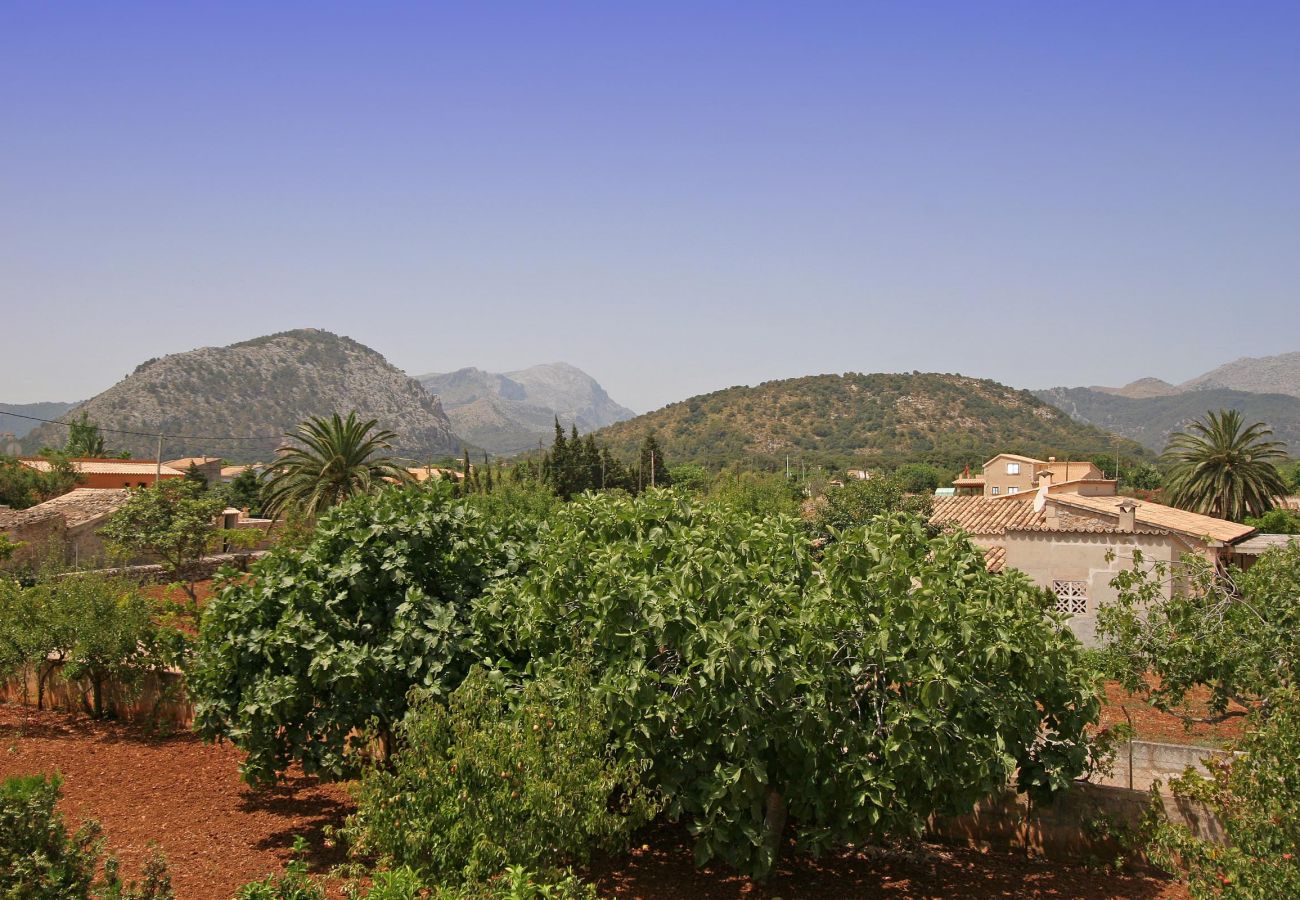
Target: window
x,y
1013,468
1013,490
1071,597
995,490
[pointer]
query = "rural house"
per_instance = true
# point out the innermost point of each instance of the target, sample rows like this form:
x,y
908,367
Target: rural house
x,y
111,473
1073,544
1008,474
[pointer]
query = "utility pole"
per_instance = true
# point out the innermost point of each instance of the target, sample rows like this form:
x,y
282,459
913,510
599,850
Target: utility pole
x,y
157,472
652,468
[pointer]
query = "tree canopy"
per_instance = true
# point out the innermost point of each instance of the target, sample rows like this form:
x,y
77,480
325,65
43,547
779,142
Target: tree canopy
x,y
331,460
1225,468
857,692
323,642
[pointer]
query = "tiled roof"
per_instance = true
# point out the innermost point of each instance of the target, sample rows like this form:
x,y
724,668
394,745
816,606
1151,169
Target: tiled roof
x,y
186,461
1090,529
1028,459
1157,515
1260,543
77,507
107,466
995,558
984,515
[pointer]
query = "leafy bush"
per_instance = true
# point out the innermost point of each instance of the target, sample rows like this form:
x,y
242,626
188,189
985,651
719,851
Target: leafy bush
x,y
859,502
39,859
499,777
100,630
1276,521
921,478
1257,798
172,521
861,692
1231,631
320,643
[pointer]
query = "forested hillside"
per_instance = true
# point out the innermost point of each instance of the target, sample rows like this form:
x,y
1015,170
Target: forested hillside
x,y
1150,420
883,420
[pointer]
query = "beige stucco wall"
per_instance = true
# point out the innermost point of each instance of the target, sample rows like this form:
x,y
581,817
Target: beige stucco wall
x,y
995,475
1047,556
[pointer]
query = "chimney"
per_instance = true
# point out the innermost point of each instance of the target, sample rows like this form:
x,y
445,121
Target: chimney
x,y
1128,514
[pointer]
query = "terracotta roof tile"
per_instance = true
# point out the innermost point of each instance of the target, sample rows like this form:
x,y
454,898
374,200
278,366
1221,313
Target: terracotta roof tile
x,y
984,515
77,507
107,466
1157,515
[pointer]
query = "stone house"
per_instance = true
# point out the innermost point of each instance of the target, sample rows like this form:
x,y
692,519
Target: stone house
x,y
1073,544
1008,474
67,526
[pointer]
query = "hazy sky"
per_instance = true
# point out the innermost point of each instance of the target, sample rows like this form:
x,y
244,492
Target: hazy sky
x,y
674,197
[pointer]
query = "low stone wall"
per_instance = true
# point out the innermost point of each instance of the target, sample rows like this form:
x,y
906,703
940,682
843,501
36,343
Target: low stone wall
x,y
156,574
1081,824
156,699
1139,764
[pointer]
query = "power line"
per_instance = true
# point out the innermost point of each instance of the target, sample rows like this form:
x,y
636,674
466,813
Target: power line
x,y
269,442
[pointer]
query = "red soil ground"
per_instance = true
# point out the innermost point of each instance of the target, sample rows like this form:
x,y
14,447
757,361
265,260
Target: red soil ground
x,y
186,797
1151,724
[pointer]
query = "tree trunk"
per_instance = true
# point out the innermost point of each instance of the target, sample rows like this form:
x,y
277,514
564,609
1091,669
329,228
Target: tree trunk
x,y
774,822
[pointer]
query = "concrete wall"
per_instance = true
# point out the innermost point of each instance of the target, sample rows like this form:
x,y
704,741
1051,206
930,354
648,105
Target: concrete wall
x,y
1140,764
1048,556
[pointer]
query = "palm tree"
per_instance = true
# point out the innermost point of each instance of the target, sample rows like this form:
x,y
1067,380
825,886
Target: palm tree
x,y
1223,468
339,458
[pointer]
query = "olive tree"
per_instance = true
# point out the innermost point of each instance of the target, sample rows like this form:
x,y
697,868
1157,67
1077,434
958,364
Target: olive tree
x,y
174,521
319,643
853,693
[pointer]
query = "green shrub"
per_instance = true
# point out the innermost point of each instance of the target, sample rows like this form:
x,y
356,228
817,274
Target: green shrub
x,y
1256,797
499,777
858,692
515,883
322,642
100,630
39,860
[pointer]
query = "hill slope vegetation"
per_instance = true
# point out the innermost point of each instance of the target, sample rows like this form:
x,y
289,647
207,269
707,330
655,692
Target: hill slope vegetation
x,y
874,420
248,394
1150,420
509,413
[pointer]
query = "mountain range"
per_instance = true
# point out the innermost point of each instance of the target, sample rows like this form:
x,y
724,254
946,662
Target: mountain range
x,y
1149,410
867,420
511,412
238,401
19,427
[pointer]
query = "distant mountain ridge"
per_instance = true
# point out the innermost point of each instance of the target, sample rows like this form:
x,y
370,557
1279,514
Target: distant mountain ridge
x,y
237,401
508,413
1253,374
1150,420
881,419
1263,389
19,427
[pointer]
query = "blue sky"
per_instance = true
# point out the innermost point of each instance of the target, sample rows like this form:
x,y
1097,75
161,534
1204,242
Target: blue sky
x,y
675,197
